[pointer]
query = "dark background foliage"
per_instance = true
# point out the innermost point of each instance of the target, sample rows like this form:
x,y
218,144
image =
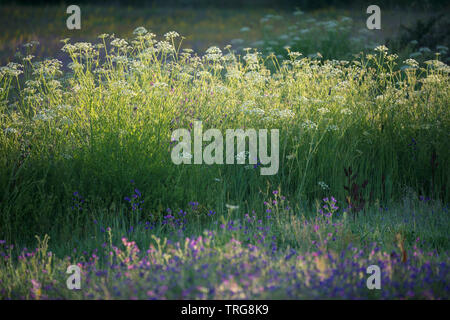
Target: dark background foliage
x,y
304,4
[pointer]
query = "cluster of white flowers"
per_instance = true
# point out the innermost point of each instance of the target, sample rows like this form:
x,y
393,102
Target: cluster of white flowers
x,y
119,43
140,31
411,63
316,101
323,185
164,47
255,112
438,65
252,60
346,111
64,107
137,66
171,35
255,77
381,48
34,97
303,99
10,131
203,74
392,57
432,79
213,54
66,121
323,110
44,115
28,58
294,55
282,114
332,127
309,125
48,67
75,66
118,84
66,156
340,100
184,76
221,89
148,53
233,73
342,85
246,105
160,85
120,59
83,47
12,69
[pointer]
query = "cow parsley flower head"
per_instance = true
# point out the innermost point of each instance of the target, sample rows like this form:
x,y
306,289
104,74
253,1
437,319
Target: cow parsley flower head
x,y
164,47
323,185
119,43
308,124
213,54
12,69
171,35
381,48
140,31
332,127
323,110
346,111
251,58
10,131
28,58
411,62
31,44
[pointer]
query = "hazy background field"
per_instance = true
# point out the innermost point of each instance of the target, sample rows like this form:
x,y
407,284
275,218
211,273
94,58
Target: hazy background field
x,y
85,149
203,23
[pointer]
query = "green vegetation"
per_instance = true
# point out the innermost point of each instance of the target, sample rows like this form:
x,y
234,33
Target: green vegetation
x,y
85,159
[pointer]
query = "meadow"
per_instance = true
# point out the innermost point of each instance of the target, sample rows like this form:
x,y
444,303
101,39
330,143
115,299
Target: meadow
x,y
87,178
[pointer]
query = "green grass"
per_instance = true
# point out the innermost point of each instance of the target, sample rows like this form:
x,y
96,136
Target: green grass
x,y
239,255
95,128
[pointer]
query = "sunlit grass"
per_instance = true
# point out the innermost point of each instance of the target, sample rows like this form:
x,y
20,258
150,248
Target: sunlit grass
x,y
72,140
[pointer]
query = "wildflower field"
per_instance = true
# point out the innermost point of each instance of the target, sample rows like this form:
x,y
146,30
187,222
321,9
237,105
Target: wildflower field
x,y
87,179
